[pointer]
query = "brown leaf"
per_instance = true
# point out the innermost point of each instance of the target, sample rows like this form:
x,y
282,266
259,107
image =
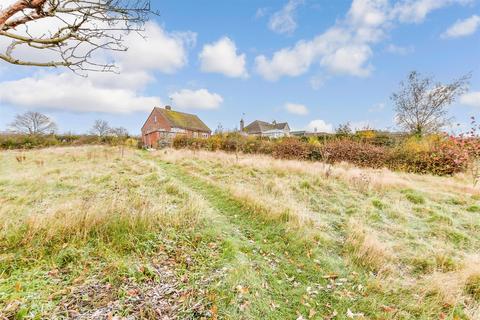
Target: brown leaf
x,y
388,309
132,292
214,312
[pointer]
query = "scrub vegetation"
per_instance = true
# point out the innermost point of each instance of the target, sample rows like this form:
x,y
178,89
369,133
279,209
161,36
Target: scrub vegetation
x,y
92,232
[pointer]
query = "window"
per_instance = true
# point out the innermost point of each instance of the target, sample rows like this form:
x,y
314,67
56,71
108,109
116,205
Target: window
x,y
155,119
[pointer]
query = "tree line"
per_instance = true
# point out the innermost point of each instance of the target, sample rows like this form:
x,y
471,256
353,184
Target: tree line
x,y
36,123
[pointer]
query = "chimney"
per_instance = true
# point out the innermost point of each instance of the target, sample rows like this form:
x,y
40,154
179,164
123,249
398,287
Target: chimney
x,y
168,108
242,125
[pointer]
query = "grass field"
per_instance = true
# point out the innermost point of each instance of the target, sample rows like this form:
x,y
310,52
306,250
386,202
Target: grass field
x,y
88,233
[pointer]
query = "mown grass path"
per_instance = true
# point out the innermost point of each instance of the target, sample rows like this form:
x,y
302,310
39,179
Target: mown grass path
x,y
271,272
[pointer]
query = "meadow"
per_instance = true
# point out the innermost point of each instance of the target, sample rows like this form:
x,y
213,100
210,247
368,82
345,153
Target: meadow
x,y
93,232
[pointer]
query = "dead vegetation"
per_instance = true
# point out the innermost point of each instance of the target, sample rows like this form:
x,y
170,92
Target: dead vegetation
x,y
86,233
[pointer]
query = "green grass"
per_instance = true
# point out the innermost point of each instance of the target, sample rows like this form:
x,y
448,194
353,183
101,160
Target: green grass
x,y
244,240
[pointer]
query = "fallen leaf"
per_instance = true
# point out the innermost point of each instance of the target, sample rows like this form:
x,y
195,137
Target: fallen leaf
x,y
388,309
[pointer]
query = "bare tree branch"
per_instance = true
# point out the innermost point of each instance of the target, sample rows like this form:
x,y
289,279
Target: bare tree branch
x,y
33,123
101,128
421,105
76,30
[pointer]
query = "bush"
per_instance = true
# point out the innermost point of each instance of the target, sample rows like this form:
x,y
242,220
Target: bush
x,y
435,155
20,141
359,153
291,148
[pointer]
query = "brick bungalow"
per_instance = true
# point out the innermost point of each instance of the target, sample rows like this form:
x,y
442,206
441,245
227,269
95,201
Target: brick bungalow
x,y
163,124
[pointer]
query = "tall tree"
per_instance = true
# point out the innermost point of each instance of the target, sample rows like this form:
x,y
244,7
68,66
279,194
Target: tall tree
x,y
33,123
101,128
421,104
70,30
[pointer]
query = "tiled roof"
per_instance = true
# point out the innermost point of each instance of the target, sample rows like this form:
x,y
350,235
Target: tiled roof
x,y
184,120
258,126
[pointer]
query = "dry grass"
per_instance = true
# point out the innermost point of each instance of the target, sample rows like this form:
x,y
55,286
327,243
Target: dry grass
x,y
458,286
84,193
367,250
407,238
414,232
377,179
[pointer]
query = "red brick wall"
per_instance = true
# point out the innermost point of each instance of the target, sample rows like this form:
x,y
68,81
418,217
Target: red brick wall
x,y
150,138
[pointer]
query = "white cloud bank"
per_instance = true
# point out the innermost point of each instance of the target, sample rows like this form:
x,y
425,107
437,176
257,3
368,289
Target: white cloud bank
x,y
296,108
284,21
471,99
67,91
463,28
346,47
196,99
106,92
319,125
221,57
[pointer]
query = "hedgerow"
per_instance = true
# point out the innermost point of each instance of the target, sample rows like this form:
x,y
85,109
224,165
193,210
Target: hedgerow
x,y
439,155
20,141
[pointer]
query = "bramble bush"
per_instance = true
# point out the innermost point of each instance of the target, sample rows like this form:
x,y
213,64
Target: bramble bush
x,y
361,154
21,141
435,154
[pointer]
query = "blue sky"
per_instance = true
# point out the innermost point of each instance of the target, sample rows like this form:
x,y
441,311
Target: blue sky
x,y
313,63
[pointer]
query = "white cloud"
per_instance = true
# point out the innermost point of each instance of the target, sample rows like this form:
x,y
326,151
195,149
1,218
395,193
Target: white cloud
x,y
106,92
157,50
221,57
69,92
471,99
196,99
346,47
402,51
463,28
417,10
349,60
296,108
320,126
283,21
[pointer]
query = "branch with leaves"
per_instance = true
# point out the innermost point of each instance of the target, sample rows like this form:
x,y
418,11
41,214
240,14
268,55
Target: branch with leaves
x,y
74,30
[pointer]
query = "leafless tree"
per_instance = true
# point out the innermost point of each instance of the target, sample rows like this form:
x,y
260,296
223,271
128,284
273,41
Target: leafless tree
x,y
119,132
421,104
101,128
72,29
33,123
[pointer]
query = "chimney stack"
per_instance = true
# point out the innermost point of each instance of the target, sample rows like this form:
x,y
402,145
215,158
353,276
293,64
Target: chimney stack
x,y
242,125
168,108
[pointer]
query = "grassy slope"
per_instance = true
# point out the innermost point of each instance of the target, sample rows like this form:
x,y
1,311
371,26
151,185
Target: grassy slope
x,y
254,238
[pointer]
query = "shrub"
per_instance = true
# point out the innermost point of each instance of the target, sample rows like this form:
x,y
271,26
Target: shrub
x,y
434,155
181,141
291,148
359,153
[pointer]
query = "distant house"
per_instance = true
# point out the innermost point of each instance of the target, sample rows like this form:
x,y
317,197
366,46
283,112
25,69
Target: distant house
x,y
304,133
163,124
265,129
